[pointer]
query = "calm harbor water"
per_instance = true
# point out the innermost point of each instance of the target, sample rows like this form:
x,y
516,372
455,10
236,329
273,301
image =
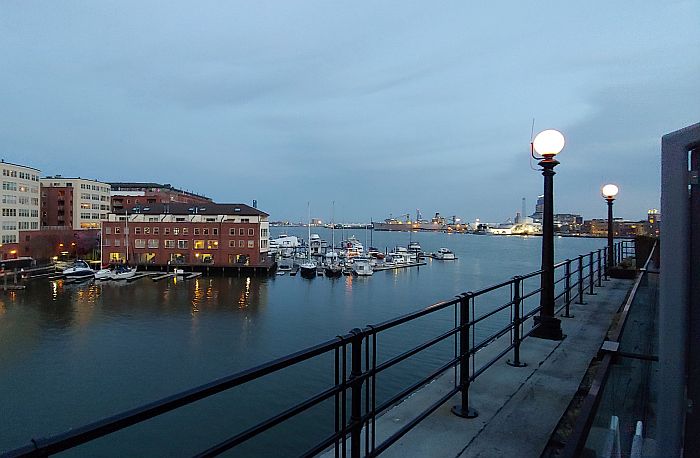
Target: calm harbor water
x,y
71,354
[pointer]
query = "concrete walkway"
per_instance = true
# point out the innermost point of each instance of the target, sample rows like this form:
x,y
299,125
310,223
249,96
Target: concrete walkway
x,y
518,407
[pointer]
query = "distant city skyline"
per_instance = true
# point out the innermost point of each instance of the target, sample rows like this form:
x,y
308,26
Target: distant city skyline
x,y
382,107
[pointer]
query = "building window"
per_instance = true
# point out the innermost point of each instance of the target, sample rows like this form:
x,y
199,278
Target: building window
x,y
156,230
117,230
205,231
232,231
182,244
106,242
251,231
212,244
232,244
185,231
199,244
241,231
137,230
166,230
245,220
108,230
264,232
139,243
169,244
117,242
146,230
241,243
215,231
251,243
152,243
176,231
196,231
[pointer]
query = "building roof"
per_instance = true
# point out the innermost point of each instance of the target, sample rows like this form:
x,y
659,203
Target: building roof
x,y
61,177
3,161
126,186
179,208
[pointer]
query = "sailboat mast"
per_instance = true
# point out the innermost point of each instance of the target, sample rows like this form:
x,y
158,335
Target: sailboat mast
x,y
126,231
308,223
333,228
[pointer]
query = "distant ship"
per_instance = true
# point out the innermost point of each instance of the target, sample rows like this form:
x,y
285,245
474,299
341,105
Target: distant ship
x,y
437,223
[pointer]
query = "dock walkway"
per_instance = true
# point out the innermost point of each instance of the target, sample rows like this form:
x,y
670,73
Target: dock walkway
x,y
519,408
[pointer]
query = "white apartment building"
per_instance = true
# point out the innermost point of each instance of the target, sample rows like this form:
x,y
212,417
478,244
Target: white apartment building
x,y
76,202
20,201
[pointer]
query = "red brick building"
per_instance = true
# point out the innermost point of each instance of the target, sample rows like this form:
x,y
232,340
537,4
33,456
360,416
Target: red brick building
x,y
128,195
59,241
205,235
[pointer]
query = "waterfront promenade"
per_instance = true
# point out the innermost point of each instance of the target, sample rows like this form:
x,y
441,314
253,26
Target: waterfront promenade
x,y
519,408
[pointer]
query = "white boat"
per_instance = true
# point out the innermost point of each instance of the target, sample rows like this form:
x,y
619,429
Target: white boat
x,y
78,269
414,247
308,268
352,247
361,266
284,244
103,274
315,244
118,272
445,254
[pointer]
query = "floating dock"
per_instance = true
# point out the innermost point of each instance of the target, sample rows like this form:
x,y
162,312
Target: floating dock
x,y
400,266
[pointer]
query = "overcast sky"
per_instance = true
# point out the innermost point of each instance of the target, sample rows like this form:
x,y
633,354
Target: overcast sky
x,y
384,107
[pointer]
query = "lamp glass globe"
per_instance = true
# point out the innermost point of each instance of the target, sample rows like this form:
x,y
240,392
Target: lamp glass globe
x,y
548,142
610,190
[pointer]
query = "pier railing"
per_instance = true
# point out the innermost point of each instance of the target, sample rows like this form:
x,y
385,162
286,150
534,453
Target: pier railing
x,y
502,313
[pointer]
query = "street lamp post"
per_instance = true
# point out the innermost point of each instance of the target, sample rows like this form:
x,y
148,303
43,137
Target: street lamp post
x,y
609,192
548,144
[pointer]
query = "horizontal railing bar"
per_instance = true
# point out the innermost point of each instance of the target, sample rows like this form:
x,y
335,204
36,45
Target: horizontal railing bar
x,y
269,423
410,316
492,362
491,313
397,359
485,342
401,395
411,424
488,289
72,438
531,293
322,446
531,313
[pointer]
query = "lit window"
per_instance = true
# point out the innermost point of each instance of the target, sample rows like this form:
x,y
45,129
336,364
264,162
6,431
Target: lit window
x,y
199,244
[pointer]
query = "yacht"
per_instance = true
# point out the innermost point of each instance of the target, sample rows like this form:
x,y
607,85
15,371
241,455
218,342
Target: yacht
x,y
361,266
445,254
78,269
414,247
308,268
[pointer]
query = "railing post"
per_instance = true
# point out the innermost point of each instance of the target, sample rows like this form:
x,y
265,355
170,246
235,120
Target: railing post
x,y
355,392
607,266
600,271
580,279
591,278
462,409
517,320
567,289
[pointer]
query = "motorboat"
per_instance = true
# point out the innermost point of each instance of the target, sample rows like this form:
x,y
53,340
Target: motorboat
x,y
103,274
414,247
445,254
78,269
123,272
361,266
352,247
315,244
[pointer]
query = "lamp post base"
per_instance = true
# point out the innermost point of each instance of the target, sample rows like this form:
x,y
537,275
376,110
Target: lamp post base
x,y
549,328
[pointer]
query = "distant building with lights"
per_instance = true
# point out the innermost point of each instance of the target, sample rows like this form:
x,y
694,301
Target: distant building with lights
x,y
19,205
181,234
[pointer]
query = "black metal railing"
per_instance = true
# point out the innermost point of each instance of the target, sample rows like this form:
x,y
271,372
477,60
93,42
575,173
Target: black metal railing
x,y
477,319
